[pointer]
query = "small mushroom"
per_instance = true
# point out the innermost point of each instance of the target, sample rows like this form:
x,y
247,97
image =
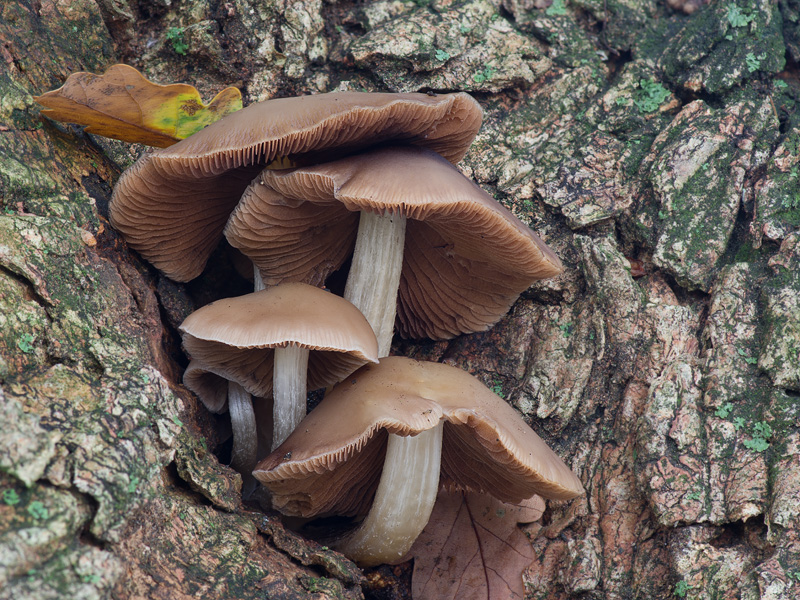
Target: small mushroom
x,y
376,443
172,204
278,342
425,240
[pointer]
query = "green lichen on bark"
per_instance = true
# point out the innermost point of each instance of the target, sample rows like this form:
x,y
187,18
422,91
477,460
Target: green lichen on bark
x,y
200,469
84,300
571,45
780,351
76,571
724,45
696,174
471,47
777,195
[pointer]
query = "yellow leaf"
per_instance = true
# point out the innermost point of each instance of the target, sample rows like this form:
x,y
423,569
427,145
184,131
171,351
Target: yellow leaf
x,y
122,104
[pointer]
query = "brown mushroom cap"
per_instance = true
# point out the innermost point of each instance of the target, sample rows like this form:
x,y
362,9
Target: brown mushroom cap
x,y
172,204
466,259
332,462
234,339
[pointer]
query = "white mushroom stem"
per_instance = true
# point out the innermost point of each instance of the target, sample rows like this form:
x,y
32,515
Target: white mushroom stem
x,y
375,273
243,422
258,281
288,391
403,503
289,375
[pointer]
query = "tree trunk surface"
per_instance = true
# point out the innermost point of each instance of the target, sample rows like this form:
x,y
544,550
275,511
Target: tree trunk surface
x,y
653,145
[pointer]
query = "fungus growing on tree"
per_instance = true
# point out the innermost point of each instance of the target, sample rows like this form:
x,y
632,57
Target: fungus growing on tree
x,y
385,439
277,342
425,240
172,204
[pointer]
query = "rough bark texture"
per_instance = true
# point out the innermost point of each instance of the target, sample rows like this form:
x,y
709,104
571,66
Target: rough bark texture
x,y
658,152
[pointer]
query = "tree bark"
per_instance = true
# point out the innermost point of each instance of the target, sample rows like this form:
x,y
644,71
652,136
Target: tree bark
x,y
656,151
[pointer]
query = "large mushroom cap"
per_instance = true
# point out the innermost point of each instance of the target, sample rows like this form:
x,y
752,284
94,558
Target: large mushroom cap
x,y
332,462
172,204
234,339
466,258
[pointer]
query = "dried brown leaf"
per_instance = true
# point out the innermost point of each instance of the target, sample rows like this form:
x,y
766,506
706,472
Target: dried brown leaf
x,y
472,549
124,105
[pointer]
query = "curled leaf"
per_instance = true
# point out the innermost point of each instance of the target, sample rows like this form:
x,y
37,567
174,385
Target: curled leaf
x,y
472,549
124,105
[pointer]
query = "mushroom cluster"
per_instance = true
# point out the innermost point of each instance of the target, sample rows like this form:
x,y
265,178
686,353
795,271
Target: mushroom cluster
x,y
275,342
395,432
301,186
